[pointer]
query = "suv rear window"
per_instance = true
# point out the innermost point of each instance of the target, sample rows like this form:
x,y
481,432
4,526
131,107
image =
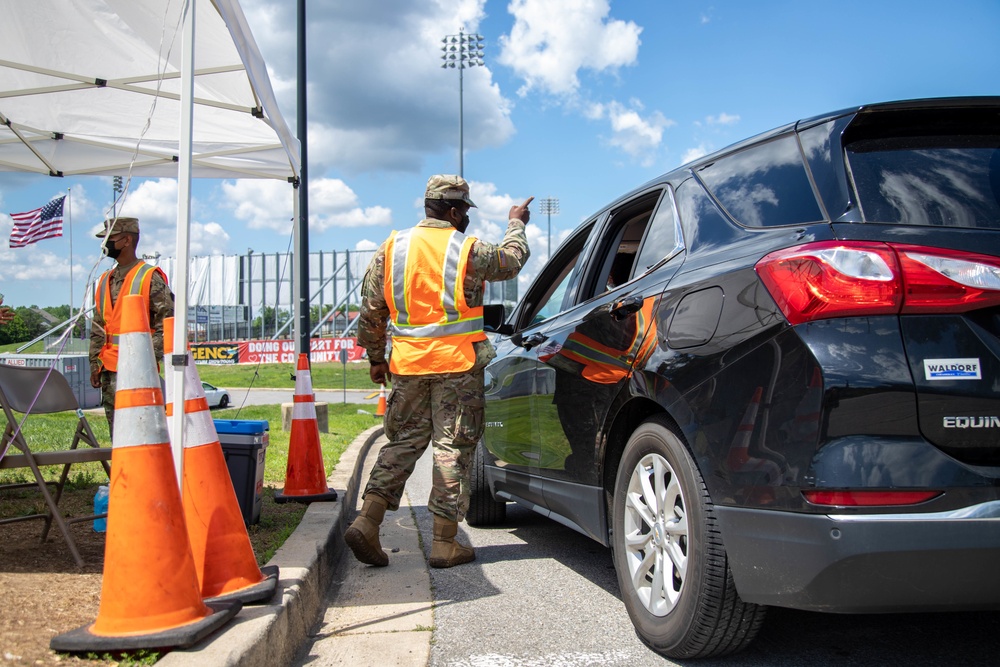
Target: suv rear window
x,y
946,181
765,185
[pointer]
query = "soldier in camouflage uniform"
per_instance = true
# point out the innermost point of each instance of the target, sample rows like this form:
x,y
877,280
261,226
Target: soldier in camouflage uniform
x,y
121,237
445,408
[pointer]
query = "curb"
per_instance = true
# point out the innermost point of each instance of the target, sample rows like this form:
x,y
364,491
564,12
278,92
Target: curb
x,y
272,634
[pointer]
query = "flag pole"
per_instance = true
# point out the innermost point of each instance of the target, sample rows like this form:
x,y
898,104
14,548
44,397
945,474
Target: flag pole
x,y
69,216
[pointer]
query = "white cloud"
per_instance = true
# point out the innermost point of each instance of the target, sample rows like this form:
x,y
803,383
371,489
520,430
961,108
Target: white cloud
x,y
694,153
723,119
552,40
634,134
154,202
270,205
376,101
365,244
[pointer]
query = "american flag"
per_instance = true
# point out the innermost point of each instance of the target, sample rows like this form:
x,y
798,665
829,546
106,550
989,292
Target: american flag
x,y
42,223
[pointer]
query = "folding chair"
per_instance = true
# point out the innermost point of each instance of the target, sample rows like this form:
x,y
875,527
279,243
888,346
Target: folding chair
x,y
45,391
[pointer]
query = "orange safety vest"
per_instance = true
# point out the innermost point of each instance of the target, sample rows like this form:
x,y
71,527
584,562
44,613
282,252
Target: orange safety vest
x,y
432,326
137,281
604,364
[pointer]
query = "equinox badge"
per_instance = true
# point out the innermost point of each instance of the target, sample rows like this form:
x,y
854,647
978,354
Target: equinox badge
x,y
972,422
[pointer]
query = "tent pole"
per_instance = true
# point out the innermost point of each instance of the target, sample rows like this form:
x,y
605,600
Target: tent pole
x,y
302,219
69,224
178,361
297,262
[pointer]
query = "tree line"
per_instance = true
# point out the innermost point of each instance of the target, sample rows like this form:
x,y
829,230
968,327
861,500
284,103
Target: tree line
x,y
29,323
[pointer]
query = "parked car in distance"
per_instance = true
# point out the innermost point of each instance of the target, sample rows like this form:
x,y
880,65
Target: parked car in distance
x,y
217,398
770,378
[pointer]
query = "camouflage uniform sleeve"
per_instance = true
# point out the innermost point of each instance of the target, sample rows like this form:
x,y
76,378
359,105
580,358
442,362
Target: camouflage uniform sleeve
x,y
374,310
96,341
500,262
161,305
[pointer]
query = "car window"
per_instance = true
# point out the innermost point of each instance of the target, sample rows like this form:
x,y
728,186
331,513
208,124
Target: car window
x,y
941,181
662,236
622,236
553,300
764,186
826,166
555,285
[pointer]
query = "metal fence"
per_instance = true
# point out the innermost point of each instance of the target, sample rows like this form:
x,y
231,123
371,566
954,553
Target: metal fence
x,y
252,296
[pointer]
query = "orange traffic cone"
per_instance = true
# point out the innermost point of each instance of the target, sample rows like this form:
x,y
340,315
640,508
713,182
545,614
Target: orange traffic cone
x,y
740,459
380,408
305,476
223,557
149,595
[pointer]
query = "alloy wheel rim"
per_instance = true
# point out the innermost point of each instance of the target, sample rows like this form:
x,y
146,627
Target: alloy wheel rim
x,y
656,534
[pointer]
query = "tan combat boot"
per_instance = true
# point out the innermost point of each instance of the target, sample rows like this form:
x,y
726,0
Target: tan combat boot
x,y
445,551
362,535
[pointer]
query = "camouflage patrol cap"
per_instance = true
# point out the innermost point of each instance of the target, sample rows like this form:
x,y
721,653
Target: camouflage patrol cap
x,y
121,226
447,186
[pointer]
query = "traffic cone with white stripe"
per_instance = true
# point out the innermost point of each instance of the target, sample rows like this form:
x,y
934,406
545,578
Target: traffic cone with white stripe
x,y
223,556
740,459
149,594
305,476
380,408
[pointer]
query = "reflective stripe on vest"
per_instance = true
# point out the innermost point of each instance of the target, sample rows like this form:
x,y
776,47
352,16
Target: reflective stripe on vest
x,y
432,326
138,280
604,364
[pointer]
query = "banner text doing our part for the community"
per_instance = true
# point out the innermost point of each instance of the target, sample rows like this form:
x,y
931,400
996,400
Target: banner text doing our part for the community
x,y
275,351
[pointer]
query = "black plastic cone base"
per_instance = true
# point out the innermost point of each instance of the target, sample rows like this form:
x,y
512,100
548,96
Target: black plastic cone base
x,y
82,640
257,594
280,497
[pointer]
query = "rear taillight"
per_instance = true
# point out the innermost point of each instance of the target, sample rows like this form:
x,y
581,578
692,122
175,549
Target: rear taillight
x,y
867,498
828,279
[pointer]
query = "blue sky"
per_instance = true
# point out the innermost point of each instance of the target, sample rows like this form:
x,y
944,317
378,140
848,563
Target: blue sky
x,y
582,100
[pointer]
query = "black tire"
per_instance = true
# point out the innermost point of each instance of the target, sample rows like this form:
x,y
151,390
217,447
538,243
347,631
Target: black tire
x,y
224,401
697,612
484,510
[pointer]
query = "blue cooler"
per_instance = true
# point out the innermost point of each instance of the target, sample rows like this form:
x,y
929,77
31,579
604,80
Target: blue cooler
x,y
244,444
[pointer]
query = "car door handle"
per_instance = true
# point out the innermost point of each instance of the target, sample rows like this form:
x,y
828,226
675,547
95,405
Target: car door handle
x,y
532,340
625,307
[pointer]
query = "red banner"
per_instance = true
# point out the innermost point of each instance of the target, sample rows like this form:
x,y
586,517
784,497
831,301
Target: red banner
x,y
322,350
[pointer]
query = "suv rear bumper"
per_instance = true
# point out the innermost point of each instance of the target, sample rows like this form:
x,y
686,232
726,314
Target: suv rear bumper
x,y
866,563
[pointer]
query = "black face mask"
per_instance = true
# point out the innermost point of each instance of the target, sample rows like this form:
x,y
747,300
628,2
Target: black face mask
x,y
462,226
113,251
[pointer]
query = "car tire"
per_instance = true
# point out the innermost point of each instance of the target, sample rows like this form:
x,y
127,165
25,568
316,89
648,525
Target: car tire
x,y
224,401
484,510
696,612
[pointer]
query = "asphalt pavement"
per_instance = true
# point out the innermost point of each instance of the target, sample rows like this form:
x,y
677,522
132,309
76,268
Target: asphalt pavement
x,y
270,634
537,594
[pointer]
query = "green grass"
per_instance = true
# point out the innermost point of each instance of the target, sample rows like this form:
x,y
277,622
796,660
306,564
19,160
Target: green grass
x,y
55,431
37,348
329,375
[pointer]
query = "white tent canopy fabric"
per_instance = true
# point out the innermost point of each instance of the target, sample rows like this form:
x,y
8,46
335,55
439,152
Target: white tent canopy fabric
x,y
85,85
105,87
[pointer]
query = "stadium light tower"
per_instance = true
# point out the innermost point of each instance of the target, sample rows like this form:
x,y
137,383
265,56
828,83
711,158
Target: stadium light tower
x,y
549,206
462,51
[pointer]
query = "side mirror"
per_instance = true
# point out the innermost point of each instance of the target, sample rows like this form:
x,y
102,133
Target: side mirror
x,y
494,315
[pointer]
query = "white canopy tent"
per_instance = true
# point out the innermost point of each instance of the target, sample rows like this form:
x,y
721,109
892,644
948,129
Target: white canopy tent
x,y
81,79
140,88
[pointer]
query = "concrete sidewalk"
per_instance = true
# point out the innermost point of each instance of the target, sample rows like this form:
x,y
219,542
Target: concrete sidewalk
x,y
271,634
378,616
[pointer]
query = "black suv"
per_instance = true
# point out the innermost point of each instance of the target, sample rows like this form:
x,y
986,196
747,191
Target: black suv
x,y
772,377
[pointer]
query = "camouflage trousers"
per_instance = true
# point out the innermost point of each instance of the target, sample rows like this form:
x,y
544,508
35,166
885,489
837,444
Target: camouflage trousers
x,y
446,410
109,384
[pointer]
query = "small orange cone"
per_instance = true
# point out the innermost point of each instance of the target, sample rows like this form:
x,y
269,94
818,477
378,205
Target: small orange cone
x,y
149,594
740,459
223,556
305,476
380,408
